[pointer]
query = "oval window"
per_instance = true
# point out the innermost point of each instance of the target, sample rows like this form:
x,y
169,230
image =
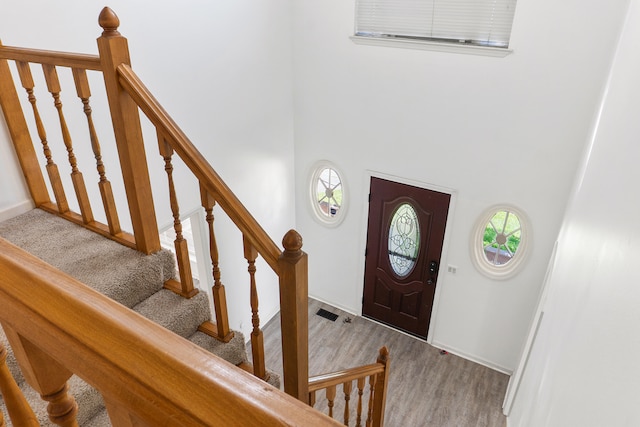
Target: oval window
x,y
328,196
404,240
502,236
500,241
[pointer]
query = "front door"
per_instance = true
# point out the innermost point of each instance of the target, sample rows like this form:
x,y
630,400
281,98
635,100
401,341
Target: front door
x,y
404,245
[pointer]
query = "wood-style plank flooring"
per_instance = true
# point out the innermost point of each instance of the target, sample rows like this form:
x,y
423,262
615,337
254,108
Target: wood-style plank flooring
x,y
426,388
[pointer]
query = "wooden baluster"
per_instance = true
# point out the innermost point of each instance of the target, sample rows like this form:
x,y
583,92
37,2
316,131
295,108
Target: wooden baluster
x,y
53,85
361,384
257,339
47,377
380,394
84,93
182,249
312,398
346,387
2,423
19,410
372,383
222,333
331,396
52,168
125,117
20,136
62,407
294,316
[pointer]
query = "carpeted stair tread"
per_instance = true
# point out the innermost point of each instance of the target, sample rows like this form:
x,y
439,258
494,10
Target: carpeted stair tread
x,y
233,351
89,402
121,273
274,379
180,315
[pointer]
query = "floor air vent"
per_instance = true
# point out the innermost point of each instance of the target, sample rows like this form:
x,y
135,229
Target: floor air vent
x,y
327,314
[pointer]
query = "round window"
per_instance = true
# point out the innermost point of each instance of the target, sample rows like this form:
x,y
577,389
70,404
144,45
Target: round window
x,y
500,242
328,195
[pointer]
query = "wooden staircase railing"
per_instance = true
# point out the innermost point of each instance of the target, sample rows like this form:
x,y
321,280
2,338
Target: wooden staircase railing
x,y
126,96
147,375
376,375
26,152
290,265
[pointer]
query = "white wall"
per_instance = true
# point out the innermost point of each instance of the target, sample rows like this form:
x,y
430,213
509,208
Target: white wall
x,y
223,71
455,121
583,368
14,197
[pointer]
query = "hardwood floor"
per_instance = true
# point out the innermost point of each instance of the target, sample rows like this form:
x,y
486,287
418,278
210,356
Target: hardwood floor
x,y
425,387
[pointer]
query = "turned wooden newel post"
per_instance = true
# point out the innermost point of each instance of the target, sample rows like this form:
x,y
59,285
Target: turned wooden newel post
x,y
114,51
19,410
380,390
294,316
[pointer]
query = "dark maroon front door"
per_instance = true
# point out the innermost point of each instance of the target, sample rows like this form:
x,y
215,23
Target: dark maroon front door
x,y
404,244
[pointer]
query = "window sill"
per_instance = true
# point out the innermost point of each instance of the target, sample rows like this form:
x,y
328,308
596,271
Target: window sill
x,y
434,46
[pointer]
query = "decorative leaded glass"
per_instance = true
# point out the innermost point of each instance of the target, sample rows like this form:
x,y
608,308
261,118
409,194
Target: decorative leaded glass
x,y
404,240
502,237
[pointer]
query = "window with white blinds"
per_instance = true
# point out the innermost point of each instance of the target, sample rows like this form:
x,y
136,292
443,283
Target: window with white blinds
x,y
471,22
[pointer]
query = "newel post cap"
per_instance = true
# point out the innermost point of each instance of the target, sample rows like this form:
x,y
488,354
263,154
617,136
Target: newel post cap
x,y
292,242
109,22
383,354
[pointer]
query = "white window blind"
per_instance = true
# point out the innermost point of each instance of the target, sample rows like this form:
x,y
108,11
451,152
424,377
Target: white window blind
x,y
476,22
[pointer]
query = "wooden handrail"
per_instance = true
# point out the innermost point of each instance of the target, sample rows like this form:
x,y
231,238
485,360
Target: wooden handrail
x,y
318,382
139,367
51,57
199,166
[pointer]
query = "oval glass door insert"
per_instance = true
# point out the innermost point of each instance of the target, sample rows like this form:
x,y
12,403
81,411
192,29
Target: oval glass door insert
x,y
404,240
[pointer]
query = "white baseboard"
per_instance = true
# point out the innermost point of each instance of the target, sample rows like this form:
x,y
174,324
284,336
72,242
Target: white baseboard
x,y
15,210
472,358
333,304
